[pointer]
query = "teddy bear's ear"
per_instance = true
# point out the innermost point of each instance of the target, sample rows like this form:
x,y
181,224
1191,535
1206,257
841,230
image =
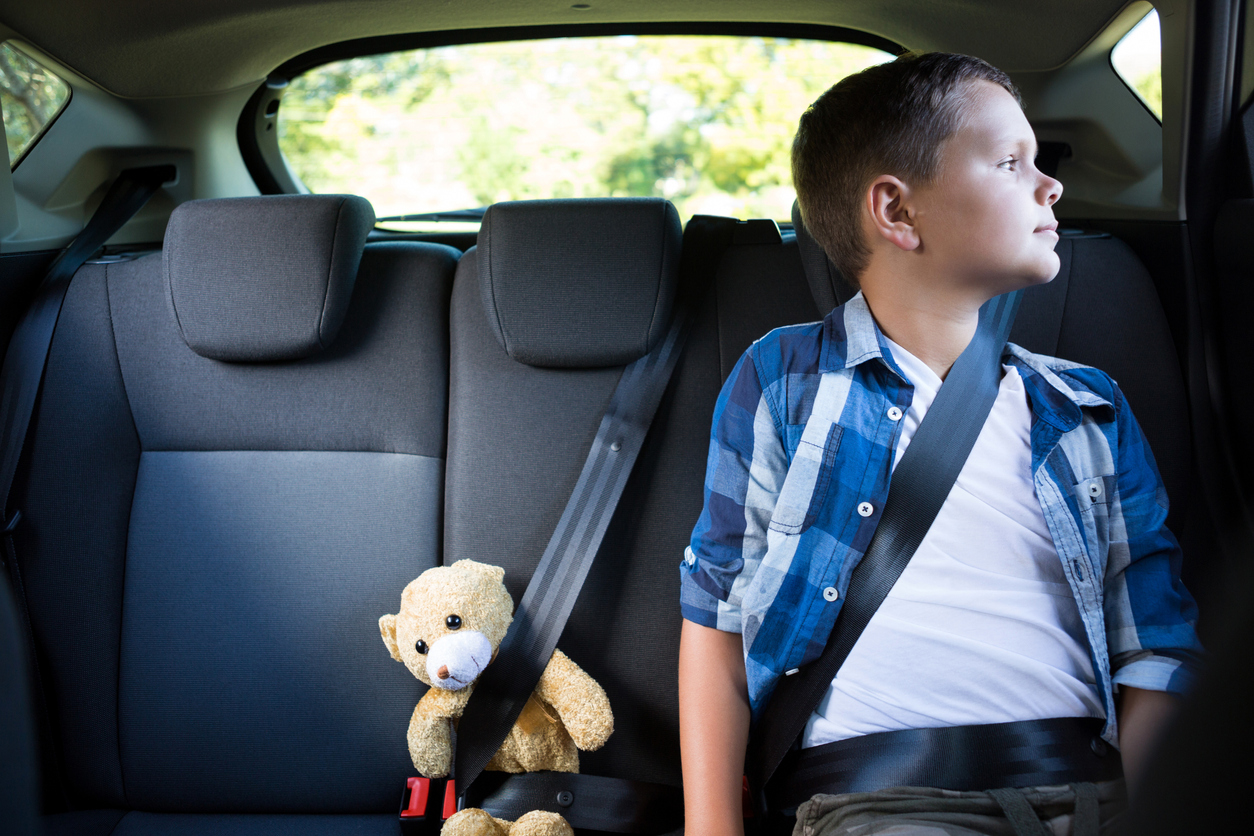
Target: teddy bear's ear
x,y
387,626
495,573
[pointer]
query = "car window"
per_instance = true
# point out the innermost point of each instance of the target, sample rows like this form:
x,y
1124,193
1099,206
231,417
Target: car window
x,y
706,122
1137,58
31,97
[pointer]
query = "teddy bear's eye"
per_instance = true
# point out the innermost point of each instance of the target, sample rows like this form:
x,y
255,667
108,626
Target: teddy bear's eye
x,y
453,622
421,647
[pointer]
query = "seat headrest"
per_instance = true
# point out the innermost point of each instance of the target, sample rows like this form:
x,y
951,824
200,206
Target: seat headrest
x,y
579,283
256,279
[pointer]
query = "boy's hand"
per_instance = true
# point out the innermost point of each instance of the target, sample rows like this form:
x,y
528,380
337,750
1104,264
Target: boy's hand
x,y
713,729
1142,717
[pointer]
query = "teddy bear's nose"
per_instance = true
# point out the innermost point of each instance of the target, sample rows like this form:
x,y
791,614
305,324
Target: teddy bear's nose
x,y
442,672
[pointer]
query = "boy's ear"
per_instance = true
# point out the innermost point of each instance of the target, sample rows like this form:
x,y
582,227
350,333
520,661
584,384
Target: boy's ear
x,y
888,200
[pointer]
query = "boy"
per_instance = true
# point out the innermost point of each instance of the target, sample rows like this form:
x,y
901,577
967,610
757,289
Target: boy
x,y
918,179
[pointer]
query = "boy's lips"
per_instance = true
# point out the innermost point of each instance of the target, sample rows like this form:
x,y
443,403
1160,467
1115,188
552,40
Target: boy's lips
x,y
1049,227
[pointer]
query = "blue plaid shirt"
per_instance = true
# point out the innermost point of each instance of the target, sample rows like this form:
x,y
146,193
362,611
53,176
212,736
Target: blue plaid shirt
x,y
798,471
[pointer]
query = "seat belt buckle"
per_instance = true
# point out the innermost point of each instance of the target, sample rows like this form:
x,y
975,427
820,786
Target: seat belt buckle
x,y
425,804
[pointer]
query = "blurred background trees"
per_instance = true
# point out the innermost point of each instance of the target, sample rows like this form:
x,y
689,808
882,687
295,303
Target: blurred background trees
x,y
704,121
30,97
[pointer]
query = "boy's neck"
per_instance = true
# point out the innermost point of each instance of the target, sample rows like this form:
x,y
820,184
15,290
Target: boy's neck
x,y
934,323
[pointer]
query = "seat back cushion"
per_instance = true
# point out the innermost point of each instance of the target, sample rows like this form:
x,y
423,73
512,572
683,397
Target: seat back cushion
x,y
211,544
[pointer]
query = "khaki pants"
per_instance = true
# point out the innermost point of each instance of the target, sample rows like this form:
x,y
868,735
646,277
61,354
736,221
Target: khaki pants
x,y
1066,810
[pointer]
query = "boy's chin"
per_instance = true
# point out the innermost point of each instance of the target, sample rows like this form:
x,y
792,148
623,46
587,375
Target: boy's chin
x,y
1042,278
1043,274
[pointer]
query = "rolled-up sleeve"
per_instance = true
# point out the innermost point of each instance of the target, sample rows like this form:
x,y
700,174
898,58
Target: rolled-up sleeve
x,y
1150,616
745,465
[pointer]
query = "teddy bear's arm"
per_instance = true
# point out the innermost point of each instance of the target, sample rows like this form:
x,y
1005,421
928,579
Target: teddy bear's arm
x,y
579,700
430,737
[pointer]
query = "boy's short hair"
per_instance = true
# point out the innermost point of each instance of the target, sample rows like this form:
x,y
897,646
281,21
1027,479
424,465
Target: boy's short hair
x,y
889,119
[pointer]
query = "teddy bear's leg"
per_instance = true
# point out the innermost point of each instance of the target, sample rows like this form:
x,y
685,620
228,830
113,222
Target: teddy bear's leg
x,y
540,823
475,822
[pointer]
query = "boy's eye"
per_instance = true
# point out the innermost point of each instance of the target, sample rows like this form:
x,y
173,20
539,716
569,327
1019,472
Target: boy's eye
x,y
1008,164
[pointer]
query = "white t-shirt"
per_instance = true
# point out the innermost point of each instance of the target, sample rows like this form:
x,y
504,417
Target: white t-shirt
x,y
982,626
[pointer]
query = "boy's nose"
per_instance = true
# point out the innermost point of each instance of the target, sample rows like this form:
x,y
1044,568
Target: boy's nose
x,y
1051,189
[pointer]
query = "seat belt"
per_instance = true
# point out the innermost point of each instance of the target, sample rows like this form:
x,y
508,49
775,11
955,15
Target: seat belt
x,y
975,758
550,596
918,488
27,355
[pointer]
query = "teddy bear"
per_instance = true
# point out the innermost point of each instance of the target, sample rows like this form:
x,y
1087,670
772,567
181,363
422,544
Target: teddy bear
x,y
451,621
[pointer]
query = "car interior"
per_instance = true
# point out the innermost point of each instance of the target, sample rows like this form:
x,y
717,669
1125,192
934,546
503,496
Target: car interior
x,y
268,405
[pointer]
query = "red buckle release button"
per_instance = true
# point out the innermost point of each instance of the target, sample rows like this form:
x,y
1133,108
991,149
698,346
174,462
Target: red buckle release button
x,y
450,800
417,807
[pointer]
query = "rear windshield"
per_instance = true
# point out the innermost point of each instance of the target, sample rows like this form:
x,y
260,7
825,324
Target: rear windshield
x,y
706,122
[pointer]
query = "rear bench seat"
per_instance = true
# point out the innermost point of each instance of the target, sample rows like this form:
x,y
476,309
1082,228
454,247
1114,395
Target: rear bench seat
x,y
206,625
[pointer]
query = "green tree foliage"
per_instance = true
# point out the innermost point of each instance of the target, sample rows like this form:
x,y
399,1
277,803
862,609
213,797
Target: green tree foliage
x,y
1150,86
322,148
704,121
30,97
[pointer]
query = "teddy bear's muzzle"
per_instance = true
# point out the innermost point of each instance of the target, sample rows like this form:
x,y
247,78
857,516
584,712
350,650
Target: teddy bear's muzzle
x,y
456,660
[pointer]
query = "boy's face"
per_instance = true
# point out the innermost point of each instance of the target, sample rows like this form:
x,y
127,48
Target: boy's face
x,y
988,218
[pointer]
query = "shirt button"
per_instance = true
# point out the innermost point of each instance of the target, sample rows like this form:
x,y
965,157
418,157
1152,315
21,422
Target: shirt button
x,y
1095,489
830,594
866,509
894,414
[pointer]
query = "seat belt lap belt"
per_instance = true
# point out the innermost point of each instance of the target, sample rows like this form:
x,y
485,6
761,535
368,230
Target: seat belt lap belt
x,y
1028,753
27,355
541,615
917,490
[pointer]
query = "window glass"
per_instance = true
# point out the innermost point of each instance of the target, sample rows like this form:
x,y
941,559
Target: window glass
x,y
31,97
704,121
1137,58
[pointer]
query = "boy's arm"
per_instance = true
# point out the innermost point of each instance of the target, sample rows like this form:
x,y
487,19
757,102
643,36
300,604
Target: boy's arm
x,y
1142,718
746,466
1150,616
713,729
